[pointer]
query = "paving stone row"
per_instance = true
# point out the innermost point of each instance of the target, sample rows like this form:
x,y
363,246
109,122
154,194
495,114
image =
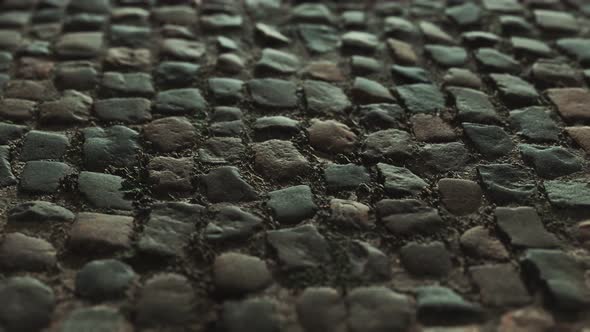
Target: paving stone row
x,y
287,165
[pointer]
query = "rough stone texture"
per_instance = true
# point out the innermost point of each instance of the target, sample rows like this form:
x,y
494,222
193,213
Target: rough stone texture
x,y
273,165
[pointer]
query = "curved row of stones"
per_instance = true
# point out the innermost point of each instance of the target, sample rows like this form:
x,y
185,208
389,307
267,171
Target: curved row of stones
x,y
219,165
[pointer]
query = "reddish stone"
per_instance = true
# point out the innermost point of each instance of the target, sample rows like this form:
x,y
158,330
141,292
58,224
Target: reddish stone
x,y
571,103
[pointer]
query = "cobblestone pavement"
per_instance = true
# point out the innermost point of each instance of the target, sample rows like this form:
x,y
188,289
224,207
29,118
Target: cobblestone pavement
x,y
276,165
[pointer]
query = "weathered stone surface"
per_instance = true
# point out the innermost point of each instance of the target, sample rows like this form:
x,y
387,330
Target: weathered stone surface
x,y
104,279
331,136
293,204
232,223
21,252
426,260
461,197
236,273
506,183
225,184
400,181
377,308
96,232
568,194
349,213
421,98
44,177
169,227
562,278
390,143
32,304
321,308
279,159
103,190
299,247
408,217
98,317
115,146
479,242
550,162
534,123
524,228
127,110
170,134
166,300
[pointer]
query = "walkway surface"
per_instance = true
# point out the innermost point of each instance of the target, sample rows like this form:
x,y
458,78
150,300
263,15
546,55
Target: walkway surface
x,y
297,166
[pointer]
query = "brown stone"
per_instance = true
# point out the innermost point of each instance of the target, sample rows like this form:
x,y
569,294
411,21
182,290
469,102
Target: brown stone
x,y
460,196
530,319
279,159
139,58
17,109
350,213
479,242
325,70
31,90
35,68
402,52
98,232
239,274
22,252
571,103
170,134
73,107
170,174
433,129
581,135
331,137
